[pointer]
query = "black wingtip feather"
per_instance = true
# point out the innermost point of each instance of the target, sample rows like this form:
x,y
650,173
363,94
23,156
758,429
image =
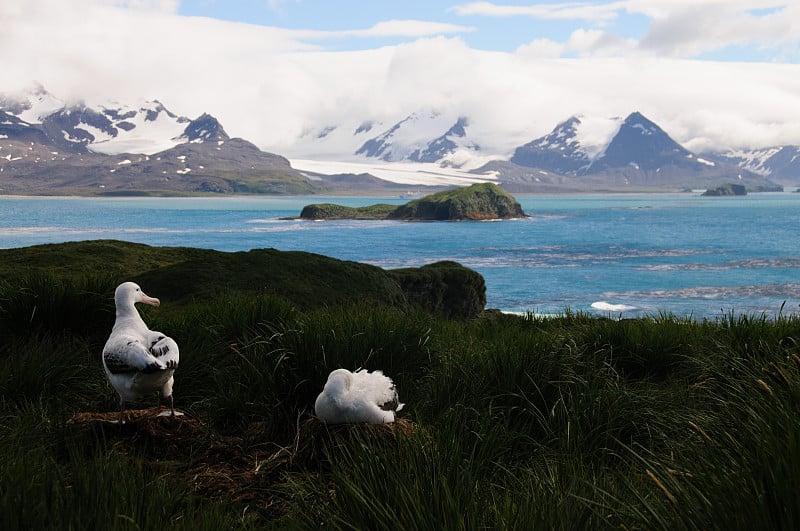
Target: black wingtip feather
x,y
151,368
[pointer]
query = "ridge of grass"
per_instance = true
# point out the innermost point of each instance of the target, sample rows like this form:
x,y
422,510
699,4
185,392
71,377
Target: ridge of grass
x,y
510,422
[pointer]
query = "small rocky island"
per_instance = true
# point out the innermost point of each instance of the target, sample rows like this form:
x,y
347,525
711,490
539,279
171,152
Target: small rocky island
x,y
726,189
481,201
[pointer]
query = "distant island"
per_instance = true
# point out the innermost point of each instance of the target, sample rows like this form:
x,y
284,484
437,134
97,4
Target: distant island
x,y
726,190
477,202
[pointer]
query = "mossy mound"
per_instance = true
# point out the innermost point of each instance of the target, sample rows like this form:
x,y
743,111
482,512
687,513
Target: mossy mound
x,y
185,275
444,288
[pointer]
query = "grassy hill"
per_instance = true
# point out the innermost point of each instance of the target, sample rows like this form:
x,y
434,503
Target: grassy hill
x,y
572,422
476,202
187,275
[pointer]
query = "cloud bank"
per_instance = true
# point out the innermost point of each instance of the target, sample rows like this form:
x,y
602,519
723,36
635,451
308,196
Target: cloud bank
x,y
273,85
676,28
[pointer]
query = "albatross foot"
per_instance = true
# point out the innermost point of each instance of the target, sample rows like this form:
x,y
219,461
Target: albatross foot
x,y
172,413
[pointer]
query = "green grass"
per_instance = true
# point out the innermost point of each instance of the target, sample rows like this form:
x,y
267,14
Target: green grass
x,y
571,422
51,482
477,201
188,276
333,211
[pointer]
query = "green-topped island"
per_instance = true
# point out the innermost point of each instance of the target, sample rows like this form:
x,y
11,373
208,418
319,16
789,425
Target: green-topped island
x,y
476,202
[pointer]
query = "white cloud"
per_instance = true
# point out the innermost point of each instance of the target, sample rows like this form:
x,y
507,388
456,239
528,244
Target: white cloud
x,y
678,28
565,11
582,43
690,29
388,28
410,28
269,86
598,42
541,48
164,6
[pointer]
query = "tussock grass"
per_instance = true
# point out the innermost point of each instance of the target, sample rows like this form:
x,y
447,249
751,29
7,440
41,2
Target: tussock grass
x,y
511,422
56,485
28,372
37,303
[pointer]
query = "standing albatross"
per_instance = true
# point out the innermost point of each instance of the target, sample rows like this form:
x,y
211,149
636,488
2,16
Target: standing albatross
x,y
137,360
361,396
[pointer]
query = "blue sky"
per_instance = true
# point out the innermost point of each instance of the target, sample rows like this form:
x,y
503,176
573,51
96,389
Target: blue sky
x,y
486,33
728,30
712,73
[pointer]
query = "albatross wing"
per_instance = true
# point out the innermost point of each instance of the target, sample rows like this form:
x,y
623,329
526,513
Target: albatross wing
x,y
357,397
125,354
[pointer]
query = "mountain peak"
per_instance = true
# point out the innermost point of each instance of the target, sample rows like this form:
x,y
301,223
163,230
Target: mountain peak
x,y
447,144
778,163
560,150
641,144
32,105
205,128
419,137
637,120
111,128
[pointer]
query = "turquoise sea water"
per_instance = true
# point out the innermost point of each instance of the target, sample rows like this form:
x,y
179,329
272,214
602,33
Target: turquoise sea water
x,y
629,254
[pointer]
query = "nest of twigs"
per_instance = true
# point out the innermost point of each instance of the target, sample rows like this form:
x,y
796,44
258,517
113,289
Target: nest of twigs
x,y
153,430
228,467
215,465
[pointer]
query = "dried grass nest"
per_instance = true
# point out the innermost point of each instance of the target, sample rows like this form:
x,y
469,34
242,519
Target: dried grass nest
x,y
237,468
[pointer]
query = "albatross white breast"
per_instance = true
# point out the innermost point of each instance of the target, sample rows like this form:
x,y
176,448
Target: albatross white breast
x,y
138,361
353,397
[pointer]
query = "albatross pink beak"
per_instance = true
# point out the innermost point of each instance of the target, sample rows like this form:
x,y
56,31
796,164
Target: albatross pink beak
x,y
152,301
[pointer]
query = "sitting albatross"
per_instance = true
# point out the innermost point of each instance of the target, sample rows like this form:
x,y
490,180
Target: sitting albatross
x,y
137,360
353,397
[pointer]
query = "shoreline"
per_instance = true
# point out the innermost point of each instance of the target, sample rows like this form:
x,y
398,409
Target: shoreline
x,y
400,195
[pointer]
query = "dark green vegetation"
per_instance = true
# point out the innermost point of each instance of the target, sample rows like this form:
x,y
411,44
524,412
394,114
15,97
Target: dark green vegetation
x,y
518,423
476,202
333,211
726,189
185,275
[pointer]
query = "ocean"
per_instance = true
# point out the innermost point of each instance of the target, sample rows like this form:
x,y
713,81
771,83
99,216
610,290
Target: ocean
x,y
607,254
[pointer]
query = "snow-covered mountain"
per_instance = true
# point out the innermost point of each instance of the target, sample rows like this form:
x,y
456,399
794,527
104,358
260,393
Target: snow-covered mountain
x,y
432,137
633,153
571,147
579,146
31,106
780,164
623,150
145,128
641,144
335,141
453,148
49,146
41,136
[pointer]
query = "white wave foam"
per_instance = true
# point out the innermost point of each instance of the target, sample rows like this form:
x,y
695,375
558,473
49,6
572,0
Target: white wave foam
x,y
13,231
790,262
715,292
608,307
